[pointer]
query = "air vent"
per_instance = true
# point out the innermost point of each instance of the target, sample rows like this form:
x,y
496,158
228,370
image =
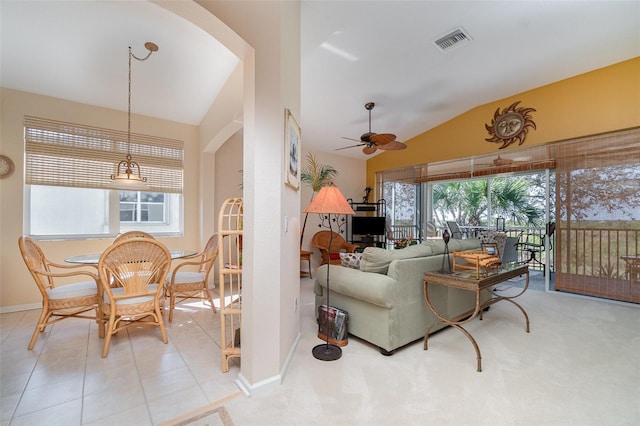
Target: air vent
x,y
452,40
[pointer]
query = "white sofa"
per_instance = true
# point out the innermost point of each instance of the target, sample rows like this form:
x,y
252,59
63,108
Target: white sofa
x,y
385,297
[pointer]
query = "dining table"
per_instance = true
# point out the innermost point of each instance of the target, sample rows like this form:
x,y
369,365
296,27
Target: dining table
x,y
94,258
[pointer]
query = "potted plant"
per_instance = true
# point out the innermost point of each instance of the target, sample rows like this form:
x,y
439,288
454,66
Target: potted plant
x,y
315,175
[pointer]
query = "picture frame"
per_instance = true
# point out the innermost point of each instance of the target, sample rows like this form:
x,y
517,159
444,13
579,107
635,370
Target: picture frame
x,y
491,248
292,151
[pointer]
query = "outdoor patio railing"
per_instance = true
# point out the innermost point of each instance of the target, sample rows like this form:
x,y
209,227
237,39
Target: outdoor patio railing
x,y
597,252
585,251
397,232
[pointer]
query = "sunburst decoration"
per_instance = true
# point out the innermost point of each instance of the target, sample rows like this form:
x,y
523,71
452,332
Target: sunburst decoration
x,y
510,125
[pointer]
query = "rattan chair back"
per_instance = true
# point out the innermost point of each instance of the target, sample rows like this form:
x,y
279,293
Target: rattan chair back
x,y
59,302
186,285
338,244
132,274
131,234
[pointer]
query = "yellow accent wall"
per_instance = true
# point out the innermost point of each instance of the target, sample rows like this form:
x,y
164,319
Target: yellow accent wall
x,y
599,101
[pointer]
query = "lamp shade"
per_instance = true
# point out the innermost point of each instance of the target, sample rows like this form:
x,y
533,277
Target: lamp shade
x,y
329,200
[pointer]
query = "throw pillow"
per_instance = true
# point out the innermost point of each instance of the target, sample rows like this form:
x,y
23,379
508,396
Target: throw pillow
x,y
377,259
351,260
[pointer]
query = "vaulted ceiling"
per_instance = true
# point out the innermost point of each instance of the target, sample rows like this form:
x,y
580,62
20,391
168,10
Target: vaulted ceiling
x,y
353,52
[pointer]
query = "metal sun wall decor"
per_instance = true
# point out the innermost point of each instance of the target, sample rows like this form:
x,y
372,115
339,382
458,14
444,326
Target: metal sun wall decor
x,y
510,125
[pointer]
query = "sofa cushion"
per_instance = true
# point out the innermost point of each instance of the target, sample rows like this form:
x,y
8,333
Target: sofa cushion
x,y
377,289
375,259
437,246
351,260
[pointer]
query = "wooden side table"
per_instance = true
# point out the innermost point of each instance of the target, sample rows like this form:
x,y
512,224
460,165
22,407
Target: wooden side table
x,y
305,256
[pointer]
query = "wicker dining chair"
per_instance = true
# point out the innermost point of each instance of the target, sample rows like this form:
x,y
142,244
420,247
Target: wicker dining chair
x,y
185,284
132,274
60,301
131,234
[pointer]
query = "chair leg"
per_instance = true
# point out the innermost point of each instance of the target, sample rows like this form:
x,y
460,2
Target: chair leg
x,y
107,337
40,326
210,299
534,259
100,322
172,305
160,320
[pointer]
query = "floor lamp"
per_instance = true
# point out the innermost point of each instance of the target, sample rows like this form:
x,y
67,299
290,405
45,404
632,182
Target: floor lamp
x,y
329,201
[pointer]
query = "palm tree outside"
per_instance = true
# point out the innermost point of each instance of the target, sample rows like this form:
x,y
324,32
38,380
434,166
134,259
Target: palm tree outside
x,y
467,202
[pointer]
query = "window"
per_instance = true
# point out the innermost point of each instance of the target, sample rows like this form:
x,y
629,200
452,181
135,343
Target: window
x,y
518,199
68,168
142,207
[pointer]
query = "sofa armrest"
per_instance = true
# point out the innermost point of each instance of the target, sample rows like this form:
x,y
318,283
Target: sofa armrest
x,y
377,289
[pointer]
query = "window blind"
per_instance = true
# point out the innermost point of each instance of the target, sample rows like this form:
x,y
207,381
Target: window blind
x,y
597,214
75,155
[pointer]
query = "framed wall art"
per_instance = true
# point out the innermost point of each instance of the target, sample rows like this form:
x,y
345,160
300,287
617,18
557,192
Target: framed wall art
x,y
292,151
510,125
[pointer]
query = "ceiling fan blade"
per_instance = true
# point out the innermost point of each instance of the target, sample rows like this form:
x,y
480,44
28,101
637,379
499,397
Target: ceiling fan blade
x,y
369,149
351,146
393,146
382,138
351,139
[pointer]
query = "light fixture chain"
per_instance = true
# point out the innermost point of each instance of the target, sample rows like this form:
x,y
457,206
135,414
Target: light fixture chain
x,y
126,178
129,110
151,48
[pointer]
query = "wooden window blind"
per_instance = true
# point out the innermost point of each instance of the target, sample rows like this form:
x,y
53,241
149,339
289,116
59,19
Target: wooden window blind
x,y
75,155
404,175
598,213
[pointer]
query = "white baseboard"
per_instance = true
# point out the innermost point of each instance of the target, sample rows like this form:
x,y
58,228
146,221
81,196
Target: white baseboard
x,y
18,308
250,389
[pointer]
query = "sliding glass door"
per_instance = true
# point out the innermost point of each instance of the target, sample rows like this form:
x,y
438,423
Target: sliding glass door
x,y
519,201
404,211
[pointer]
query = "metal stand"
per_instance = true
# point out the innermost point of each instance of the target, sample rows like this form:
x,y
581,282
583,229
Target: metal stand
x,y
327,351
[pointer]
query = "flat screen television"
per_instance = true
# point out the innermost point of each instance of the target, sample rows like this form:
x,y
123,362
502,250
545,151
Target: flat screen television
x,y
367,225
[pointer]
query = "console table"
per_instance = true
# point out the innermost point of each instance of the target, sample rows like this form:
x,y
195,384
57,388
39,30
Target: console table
x,y
470,282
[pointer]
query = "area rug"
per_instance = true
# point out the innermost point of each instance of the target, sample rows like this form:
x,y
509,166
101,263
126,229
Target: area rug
x,y
217,416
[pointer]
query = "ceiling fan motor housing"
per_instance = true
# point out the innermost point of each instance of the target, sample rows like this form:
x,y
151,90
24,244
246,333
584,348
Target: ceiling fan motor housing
x,y
366,137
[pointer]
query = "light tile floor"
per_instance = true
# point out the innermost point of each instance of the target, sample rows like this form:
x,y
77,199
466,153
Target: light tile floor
x,y
64,380
579,365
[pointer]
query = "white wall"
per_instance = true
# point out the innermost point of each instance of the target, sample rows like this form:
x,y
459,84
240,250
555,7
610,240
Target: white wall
x,y
271,70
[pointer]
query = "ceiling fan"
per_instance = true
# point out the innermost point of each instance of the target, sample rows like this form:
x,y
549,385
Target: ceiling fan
x,y
374,141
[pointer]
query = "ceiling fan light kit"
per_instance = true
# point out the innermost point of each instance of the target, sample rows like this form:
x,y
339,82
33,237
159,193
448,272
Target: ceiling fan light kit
x,y
374,141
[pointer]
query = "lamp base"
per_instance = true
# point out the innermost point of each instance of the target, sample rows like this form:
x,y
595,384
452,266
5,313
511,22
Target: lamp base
x,y
327,352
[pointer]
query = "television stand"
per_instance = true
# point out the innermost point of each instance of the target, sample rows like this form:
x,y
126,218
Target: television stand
x,y
367,227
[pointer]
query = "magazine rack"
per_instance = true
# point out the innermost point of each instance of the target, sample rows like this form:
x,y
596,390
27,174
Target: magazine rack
x,y
230,278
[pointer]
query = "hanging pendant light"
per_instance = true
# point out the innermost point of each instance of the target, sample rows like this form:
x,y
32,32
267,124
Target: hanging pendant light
x,y
128,175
